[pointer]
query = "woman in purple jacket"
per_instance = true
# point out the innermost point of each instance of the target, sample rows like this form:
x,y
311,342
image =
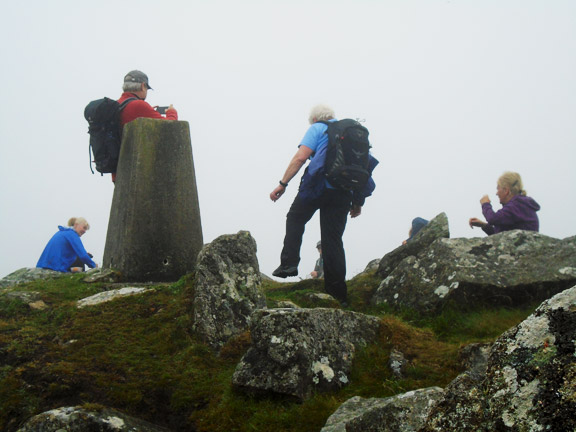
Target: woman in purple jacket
x,y
518,210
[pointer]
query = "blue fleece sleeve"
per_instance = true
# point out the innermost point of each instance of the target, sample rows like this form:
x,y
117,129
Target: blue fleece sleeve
x,y
78,247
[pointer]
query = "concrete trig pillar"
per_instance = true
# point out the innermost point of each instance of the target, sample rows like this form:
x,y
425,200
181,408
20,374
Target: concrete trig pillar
x,y
154,231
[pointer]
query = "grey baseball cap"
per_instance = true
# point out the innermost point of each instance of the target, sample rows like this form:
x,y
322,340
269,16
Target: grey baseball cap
x,y
137,77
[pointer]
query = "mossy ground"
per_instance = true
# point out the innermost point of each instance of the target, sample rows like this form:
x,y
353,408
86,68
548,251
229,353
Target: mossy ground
x,y
137,354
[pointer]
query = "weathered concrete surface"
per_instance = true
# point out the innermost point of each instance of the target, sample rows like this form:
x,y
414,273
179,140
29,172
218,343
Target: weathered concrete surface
x,y
154,233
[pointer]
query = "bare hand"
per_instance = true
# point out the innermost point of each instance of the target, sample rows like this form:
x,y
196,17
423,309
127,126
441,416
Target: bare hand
x,y
171,107
475,222
277,193
355,211
484,199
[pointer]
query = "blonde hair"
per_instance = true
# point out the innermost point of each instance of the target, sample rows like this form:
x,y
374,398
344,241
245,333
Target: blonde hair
x,y
320,112
78,220
512,181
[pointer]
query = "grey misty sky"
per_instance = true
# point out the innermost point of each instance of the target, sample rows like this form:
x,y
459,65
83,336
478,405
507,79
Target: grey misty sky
x,y
453,92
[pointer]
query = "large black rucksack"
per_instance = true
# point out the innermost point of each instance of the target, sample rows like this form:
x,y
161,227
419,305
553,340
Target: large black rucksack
x,y
347,155
103,116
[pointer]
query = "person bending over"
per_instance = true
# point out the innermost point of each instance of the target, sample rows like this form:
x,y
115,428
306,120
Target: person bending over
x,y
65,247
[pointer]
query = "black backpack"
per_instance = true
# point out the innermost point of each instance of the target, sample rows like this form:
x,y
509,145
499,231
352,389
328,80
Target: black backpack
x,y
103,116
347,155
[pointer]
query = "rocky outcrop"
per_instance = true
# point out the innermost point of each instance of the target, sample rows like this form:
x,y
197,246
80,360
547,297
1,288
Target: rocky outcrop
x,y
508,269
436,229
295,352
28,274
401,413
529,380
77,419
227,288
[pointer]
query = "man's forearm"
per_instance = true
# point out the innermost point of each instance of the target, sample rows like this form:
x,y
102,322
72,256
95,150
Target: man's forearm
x,y
293,168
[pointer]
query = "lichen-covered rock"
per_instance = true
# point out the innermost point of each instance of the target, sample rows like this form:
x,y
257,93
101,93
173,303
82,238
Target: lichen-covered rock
x,y
28,274
460,408
507,269
401,413
531,372
397,363
372,266
77,419
107,296
102,275
437,228
295,352
227,288
474,357
529,384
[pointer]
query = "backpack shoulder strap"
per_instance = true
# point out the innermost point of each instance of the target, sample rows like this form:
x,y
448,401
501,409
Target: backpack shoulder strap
x,y
126,102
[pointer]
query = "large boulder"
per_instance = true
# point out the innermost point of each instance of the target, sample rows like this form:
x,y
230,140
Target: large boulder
x,y
227,288
77,419
529,382
401,413
437,228
507,269
296,352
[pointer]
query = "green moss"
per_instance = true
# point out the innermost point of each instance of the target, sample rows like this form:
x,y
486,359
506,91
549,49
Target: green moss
x,y
137,354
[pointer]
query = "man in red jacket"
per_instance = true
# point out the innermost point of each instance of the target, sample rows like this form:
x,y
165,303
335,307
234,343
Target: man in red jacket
x,y
136,86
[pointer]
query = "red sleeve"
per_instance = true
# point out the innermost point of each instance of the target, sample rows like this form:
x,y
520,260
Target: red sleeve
x,y
172,114
140,108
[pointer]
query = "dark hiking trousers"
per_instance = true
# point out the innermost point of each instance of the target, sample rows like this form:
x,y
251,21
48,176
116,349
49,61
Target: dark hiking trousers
x,y
334,206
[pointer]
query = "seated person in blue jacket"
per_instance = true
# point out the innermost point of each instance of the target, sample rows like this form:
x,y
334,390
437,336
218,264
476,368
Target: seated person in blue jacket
x,y
65,248
518,210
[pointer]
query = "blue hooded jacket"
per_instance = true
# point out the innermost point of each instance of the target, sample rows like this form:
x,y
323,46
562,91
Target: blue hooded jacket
x,y
62,250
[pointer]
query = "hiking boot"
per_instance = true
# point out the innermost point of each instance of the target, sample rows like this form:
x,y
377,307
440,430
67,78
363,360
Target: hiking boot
x,y
285,271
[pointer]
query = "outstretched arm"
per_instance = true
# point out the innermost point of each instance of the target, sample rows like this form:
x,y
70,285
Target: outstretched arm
x,y
294,166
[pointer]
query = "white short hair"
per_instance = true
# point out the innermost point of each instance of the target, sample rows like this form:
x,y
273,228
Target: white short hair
x,y
321,112
131,86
